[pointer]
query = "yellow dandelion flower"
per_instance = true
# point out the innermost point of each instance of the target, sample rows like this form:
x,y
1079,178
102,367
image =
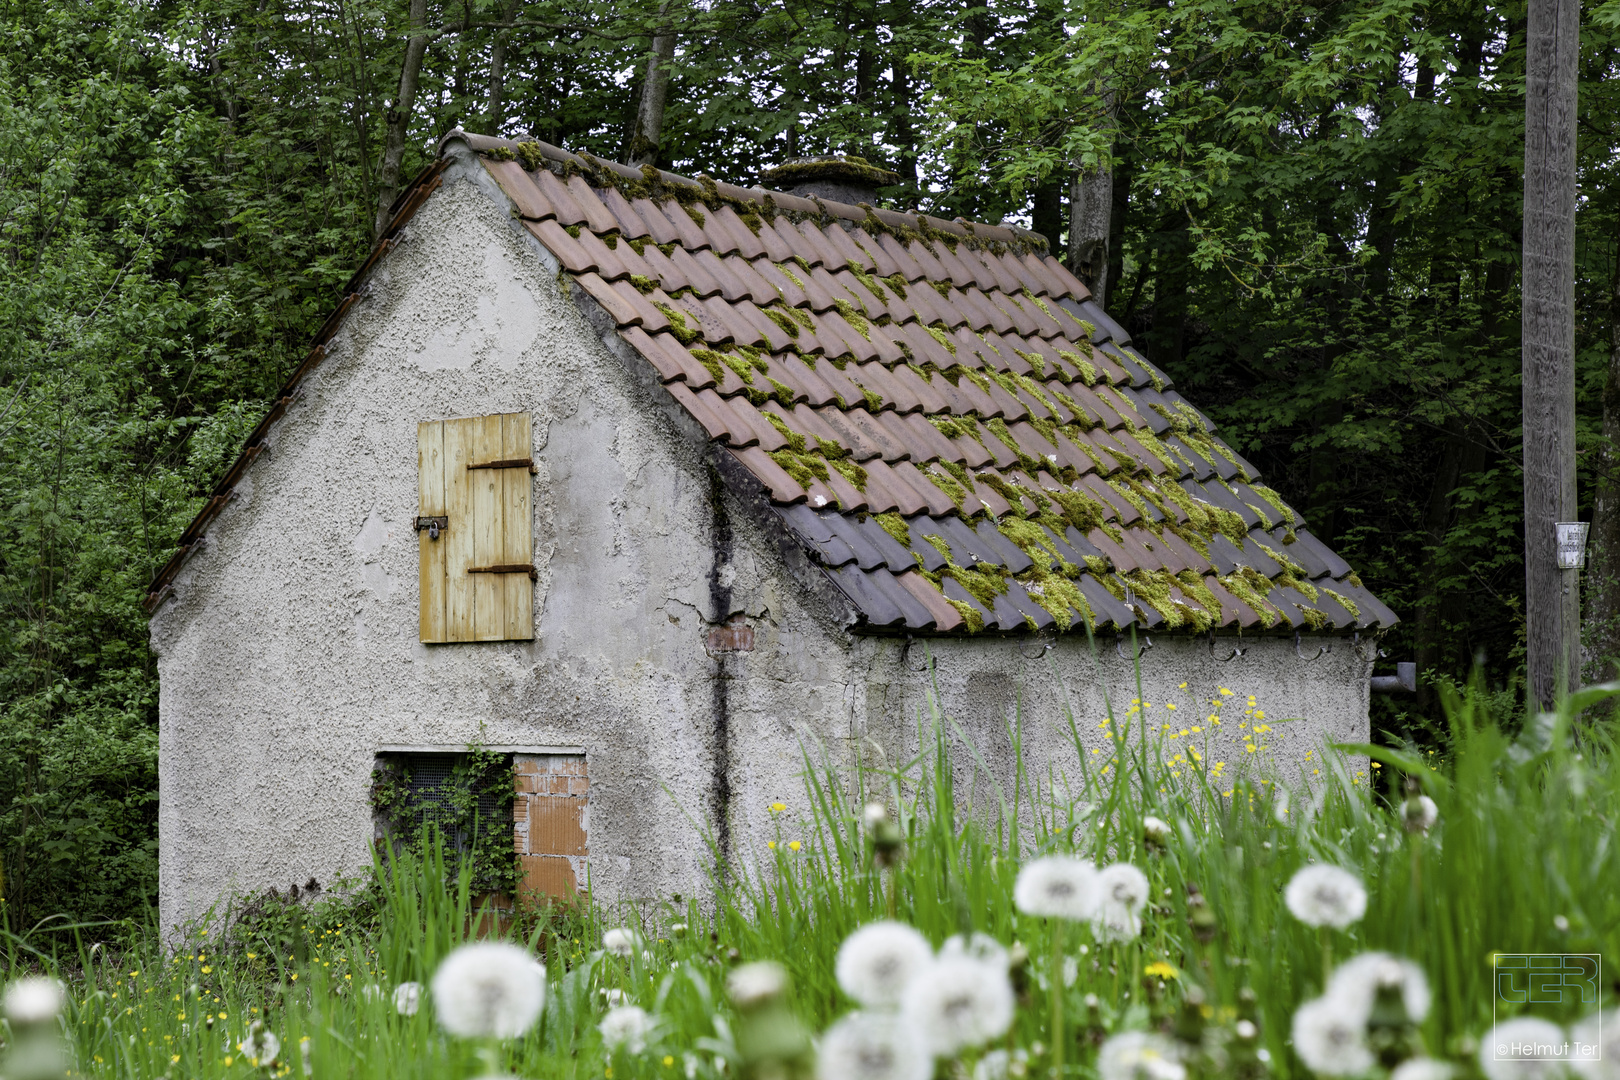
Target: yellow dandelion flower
x,y
1259,714
1161,969
777,807
794,845
771,844
1183,686
1170,705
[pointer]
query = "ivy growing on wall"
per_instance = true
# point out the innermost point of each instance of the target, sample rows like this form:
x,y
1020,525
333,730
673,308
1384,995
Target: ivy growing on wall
x,y
465,799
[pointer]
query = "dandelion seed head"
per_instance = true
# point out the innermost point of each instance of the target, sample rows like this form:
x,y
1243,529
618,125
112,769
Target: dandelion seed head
x,y
407,998
1360,978
1057,887
754,984
627,1028
1155,830
958,1002
1325,895
1140,1055
488,989
1496,1046
260,1045
34,1000
620,941
1330,1037
976,946
1421,1068
876,962
873,814
1420,814
1606,1065
1124,884
872,1046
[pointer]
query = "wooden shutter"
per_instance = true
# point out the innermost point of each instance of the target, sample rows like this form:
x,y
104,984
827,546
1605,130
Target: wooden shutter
x,y
478,576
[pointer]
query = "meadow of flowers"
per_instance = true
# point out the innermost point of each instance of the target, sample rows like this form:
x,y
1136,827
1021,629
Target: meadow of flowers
x,y
1152,918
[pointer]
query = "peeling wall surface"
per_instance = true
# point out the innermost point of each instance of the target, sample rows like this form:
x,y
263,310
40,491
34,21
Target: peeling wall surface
x,y
289,652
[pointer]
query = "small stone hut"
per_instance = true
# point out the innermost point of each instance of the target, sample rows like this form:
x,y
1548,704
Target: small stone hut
x,y
650,482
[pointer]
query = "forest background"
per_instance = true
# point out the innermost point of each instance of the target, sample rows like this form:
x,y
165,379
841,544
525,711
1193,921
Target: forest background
x,y
1307,213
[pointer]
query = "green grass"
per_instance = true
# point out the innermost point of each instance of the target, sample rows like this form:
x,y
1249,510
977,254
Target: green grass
x,y
1523,860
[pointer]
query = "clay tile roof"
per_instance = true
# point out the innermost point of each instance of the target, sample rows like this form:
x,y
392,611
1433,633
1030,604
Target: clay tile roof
x,y
963,440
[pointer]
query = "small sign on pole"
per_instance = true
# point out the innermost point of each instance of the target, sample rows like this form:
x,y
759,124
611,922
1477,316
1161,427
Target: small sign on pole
x,y
1572,545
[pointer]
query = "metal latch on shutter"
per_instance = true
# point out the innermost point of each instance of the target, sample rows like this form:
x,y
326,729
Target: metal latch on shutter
x,y
505,463
507,568
433,525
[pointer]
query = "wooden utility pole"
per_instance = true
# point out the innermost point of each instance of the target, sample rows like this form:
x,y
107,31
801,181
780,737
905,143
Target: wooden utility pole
x,y
1552,596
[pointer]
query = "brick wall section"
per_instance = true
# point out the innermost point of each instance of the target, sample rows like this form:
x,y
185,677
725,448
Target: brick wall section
x,y
549,823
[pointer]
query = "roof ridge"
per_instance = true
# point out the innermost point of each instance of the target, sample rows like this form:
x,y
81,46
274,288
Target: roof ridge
x,y
533,151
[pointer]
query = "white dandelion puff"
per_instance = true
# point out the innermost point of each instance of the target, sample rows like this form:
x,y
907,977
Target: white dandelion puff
x,y
488,989
976,946
877,961
1360,978
620,941
260,1046
407,998
1122,891
993,1066
1155,830
627,1028
1057,887
756,983
306,1052
1596,1046
34,1000
1522,1049
1420,1068
1140,1055
957,1003
1420,814
874,814
872,1046
1324,895
1330,1037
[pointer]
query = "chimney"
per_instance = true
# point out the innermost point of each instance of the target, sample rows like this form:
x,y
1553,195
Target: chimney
x,y
841,178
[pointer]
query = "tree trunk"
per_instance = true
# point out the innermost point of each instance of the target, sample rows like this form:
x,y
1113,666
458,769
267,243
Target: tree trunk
x,y
646,135
1552,596
398,120
495,115
1121,183
1091,207
1602,623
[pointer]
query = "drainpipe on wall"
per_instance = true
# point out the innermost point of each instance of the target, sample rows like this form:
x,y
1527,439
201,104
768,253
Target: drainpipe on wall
x,y
1404,681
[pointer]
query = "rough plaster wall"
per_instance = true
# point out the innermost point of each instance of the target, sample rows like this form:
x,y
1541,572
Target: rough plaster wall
x,y
290,655
982,688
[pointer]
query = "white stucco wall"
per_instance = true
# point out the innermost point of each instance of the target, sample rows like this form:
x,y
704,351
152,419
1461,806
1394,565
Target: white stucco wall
x,y
289,654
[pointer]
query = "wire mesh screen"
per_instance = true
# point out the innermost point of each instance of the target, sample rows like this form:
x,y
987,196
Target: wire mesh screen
x,y
443,793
